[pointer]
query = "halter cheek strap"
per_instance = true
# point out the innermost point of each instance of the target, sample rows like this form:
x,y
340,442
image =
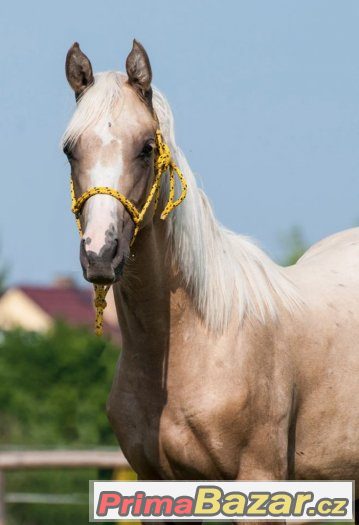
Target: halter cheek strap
x,y
163,163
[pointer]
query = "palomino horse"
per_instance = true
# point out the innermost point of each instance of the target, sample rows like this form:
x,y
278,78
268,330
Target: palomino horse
x,y
232,367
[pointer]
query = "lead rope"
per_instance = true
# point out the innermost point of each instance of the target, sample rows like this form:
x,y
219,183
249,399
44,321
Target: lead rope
x,y
163,163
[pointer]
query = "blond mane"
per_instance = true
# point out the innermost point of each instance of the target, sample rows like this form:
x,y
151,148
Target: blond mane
x,y
224,272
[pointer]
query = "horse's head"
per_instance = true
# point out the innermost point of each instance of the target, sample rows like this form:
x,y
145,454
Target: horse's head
x,y
110,142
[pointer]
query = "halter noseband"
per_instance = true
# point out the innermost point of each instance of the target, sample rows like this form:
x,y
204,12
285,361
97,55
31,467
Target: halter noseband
x,y
163,162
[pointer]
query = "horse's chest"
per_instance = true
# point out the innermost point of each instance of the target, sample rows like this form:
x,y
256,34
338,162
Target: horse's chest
x,y
171,441
196,447
136,422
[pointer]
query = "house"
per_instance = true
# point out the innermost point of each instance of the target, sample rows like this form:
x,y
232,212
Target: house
x,y
37,307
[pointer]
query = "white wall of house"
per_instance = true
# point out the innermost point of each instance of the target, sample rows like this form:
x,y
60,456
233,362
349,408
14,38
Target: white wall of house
x,y
17,310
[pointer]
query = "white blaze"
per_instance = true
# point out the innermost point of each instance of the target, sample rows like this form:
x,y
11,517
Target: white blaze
x,y
102,209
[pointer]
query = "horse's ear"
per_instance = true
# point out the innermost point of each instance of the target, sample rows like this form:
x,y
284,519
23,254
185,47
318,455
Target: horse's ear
x,y
139,71
78,69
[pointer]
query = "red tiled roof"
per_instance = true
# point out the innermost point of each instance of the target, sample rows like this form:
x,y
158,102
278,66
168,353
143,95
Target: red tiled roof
x,y
70,304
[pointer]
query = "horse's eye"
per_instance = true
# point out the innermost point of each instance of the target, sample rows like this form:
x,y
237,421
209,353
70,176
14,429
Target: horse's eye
x,y
147,150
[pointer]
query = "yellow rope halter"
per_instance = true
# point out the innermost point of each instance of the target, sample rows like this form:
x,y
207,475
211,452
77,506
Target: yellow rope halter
x,y
163,162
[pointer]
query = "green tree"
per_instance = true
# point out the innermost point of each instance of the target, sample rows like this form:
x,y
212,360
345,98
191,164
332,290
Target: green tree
x,y
3,277
294,245
53,391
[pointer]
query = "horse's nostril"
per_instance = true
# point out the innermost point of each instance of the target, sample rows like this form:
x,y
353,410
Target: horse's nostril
x,y
114,247
83,254
104,265
105,255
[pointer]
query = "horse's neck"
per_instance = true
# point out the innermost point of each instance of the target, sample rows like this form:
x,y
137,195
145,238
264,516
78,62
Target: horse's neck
x,y
143,297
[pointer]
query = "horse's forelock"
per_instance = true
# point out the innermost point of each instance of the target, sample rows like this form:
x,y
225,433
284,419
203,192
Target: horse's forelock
x,y
96,102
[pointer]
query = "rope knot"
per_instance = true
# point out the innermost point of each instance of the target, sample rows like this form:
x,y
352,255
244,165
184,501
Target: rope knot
x,y
100,302
163,160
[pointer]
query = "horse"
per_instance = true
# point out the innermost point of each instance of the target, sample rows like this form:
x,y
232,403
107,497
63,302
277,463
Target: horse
x,y
232,367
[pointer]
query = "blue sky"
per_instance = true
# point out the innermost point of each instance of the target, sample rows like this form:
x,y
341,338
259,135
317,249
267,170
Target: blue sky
x,y
265,96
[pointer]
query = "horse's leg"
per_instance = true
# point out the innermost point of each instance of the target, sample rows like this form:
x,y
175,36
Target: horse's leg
x,y
279,522
165,522
187,522
160,522
263,461
252,522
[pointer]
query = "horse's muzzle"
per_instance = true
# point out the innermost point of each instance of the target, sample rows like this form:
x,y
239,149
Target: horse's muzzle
x,y
104,267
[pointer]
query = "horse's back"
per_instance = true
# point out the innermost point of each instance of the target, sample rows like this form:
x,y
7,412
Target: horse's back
x,y
330,264
332,245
